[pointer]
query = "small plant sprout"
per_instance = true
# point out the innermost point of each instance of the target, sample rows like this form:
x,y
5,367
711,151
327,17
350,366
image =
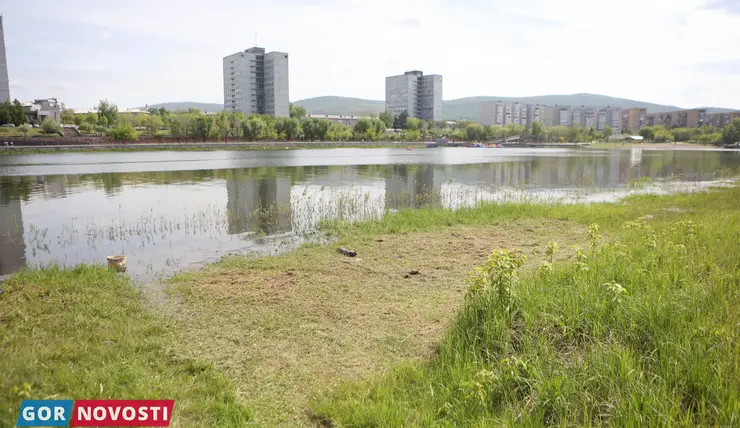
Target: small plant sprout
x,y
594,237
615,291
552,248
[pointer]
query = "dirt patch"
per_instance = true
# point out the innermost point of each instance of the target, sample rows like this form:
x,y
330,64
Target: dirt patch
x,y
284,328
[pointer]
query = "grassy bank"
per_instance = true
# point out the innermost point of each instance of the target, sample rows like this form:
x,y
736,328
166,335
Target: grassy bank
x,y
638,330
85,333
643,331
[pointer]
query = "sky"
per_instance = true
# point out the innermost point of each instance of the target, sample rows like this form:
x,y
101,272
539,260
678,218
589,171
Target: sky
x,y
137,52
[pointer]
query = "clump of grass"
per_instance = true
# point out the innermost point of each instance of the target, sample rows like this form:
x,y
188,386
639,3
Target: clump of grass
x,y
83,333
638,330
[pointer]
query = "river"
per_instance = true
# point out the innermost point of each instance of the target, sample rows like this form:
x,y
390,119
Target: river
x,y
176,210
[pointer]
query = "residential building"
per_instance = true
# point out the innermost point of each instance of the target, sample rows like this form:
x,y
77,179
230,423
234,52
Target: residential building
x,y
562,117
419,95
535,113
256,82
4,81
678,119
720,120
633,119
590,119
40,109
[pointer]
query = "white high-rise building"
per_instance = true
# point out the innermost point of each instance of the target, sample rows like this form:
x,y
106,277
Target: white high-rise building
x,y
4,81
418,95
256,82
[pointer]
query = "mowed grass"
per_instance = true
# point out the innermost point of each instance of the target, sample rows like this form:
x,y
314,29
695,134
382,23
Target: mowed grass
x,y
287,328
641,329
84,333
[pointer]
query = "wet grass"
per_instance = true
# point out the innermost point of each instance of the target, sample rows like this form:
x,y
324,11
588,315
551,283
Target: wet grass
x,y
639,329
85,333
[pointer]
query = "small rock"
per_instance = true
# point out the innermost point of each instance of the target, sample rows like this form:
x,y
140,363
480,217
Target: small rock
x,y
414,272
346,252
378,240
407,276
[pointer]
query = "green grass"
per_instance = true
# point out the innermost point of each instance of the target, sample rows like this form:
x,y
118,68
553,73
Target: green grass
x,y
315,337
641,331
83,333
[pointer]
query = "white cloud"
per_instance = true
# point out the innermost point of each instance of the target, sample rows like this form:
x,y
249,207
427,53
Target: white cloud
x,y
647,50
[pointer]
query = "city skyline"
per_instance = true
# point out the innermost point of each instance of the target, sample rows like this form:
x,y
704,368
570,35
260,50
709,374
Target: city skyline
x,y
115,52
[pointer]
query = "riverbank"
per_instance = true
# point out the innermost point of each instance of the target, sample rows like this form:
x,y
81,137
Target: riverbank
x,y
285,334
263,145
655,146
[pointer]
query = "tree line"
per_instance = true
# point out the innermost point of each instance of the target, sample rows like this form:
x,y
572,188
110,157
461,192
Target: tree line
x,y
227,126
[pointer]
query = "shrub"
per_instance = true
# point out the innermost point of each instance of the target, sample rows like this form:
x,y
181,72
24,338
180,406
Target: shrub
x,y
123,132
50,127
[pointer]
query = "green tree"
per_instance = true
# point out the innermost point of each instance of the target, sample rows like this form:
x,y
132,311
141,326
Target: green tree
x,y
648,132
731,132
6,113
684,134
297,112
17,115
315,129
537,130
204,127
179,125
475,132
574,134
412,124
254,128
68,116
109,111
152,122
387,118
50,127
369,128
400,120
608,132
339,132
288,128
79,119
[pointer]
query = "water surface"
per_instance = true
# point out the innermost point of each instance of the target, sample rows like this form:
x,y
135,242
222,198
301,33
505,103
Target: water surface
x,y
171,210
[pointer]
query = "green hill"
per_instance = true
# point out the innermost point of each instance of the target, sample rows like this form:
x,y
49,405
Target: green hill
x,y
462,108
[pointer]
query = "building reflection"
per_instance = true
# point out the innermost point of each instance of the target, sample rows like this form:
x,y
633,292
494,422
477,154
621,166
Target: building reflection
x,y
258,204
12,245
413,186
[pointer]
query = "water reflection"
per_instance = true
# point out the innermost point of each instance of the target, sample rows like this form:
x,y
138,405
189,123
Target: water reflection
x,y
165,220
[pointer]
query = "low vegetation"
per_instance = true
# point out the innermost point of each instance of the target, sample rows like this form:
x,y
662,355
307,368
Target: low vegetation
x,y
639,328
85,333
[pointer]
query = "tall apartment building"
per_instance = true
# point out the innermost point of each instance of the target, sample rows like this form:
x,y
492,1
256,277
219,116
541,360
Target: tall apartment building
x,y
633,119
4,81
720,120
535,113
679,119
420,96
256,82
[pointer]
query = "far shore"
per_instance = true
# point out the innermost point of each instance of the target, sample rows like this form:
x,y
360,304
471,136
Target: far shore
x,y
273,145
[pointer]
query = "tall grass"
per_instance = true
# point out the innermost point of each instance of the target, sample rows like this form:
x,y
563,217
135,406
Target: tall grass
x,y
640,328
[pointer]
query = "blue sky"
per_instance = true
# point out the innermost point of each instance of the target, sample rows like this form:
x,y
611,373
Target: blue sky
x,y
136,52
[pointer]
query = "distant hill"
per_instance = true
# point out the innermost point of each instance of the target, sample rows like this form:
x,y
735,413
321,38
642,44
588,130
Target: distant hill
x,y
185,105
469,108
342,105
462,108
